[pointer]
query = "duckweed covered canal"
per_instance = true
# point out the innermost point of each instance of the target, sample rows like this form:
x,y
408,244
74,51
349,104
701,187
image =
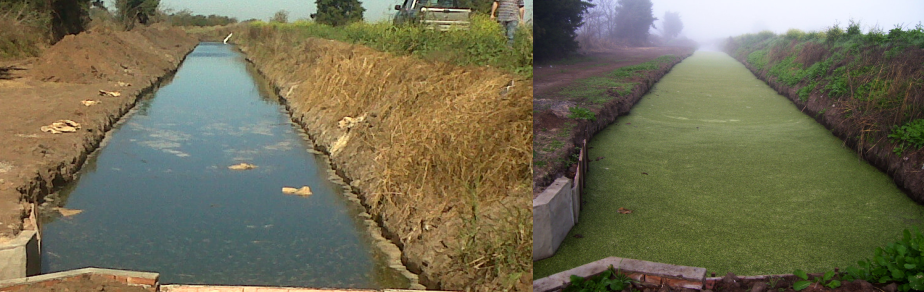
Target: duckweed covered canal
x,y
722,172
160,197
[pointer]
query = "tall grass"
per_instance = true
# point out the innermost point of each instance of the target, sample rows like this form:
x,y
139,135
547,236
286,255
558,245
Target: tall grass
x,y
482,45
25,31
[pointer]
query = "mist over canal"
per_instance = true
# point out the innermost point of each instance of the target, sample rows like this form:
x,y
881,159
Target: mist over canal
x,y
160,197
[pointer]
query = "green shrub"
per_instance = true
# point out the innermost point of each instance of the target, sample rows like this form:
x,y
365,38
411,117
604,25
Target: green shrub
x,y
794,34
901,262
580,113
910,134
609,280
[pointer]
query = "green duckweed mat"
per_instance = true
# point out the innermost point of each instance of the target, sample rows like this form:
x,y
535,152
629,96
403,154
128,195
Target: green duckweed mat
x,y
721,172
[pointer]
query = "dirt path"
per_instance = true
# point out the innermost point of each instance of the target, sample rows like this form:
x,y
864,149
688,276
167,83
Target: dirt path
x,y
37,92
550,78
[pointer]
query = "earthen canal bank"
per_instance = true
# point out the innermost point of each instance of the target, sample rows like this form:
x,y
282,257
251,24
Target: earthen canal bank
x,y
44,90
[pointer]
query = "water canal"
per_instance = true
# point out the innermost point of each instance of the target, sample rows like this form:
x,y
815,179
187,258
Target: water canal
x,y
160,197
721,172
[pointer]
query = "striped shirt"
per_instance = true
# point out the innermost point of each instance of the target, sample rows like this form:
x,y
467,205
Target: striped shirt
x,y
508,10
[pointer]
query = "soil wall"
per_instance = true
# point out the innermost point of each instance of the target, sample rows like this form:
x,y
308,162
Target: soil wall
x,y
439,154
906,170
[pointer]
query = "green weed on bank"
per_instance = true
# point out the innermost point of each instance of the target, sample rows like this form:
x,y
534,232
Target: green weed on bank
x,y
871,75
483,44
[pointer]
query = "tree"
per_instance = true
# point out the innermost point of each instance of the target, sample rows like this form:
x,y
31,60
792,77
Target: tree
x,y
132,12
339,12
672,24
281,16
633,18
555,23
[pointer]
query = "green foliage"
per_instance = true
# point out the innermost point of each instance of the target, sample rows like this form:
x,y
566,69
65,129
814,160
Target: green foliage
x,y
609,280
833,34
788,71
186,18
672,24
581,114
338,12
633,19
909,134
853,29
555,25
794,34
826,280
131,12
900,262
483,44
805,91
758,59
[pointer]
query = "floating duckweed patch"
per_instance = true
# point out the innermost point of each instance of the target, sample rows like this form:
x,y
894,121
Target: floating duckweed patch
x,y
723,173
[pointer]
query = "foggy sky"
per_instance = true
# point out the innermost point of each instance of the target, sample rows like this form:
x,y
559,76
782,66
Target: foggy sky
x,y
705,20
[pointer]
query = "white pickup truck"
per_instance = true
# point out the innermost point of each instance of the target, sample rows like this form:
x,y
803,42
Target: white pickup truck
x,y
434,14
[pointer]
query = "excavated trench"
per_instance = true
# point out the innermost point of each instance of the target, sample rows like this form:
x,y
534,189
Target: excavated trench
x,y
159,195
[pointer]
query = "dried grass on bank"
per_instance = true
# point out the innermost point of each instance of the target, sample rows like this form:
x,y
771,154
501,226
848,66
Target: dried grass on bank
x,y
443,158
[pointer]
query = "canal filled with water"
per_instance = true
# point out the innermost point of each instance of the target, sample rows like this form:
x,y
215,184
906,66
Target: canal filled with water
x,y
722,172
159,195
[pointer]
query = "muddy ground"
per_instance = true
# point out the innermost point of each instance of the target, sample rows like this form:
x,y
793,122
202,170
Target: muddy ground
x,y
550,127
37,92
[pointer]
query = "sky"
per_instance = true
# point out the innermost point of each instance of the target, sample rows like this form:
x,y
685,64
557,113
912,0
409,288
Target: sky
x,y
705,20
298,9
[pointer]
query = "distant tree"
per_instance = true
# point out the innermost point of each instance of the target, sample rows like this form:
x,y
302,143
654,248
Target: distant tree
x,y
69,17
555,25
633,18
338,12
281,16
133,12
672,24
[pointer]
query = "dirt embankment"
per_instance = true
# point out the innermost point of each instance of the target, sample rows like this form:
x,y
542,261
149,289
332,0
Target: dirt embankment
x,y
907,170
37,92
440,154
572,131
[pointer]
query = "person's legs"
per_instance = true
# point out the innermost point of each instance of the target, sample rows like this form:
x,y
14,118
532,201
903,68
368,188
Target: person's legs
x,y
511,27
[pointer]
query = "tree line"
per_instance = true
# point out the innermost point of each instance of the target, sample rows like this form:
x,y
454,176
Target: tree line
x,y
561,25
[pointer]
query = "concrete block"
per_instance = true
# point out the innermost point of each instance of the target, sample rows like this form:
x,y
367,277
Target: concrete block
x,y
19,257
553,217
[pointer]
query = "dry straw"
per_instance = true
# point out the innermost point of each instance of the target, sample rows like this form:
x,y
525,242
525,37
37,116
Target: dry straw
x,y
442,155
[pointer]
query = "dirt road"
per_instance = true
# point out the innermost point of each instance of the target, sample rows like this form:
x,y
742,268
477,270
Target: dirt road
x,y
40,91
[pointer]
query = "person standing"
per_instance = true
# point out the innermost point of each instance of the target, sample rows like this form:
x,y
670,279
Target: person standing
x,y
509,13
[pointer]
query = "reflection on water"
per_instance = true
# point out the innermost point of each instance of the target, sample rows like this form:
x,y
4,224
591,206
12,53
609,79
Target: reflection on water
x,y
159,197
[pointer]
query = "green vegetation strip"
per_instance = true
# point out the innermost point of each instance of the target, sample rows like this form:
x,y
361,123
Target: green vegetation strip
x,y
723,173
484,44
598,89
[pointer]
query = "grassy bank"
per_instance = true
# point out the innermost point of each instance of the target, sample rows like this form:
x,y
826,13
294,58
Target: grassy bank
x,y
722,172
867,87
440,152
482,45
